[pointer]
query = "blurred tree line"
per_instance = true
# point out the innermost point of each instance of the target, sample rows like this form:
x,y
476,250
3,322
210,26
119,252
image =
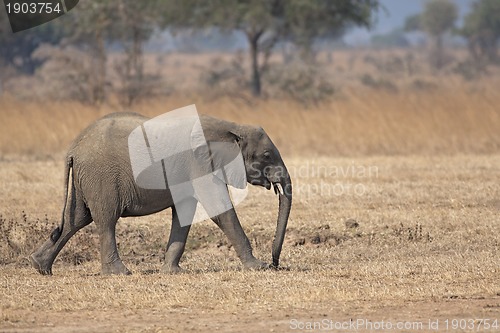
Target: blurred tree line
x,y
96,24
481,29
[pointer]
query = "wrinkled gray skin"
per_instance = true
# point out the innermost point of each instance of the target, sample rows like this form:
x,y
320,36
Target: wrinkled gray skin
x,y
102,189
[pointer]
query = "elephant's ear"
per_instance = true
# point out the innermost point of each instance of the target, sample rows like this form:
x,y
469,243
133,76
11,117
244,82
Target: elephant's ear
x,y
223,159
236,135
228,163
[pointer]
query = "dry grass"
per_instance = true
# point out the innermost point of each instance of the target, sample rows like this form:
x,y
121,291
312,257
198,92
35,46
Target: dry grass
x,y
366,122
428,113
426,247
415,173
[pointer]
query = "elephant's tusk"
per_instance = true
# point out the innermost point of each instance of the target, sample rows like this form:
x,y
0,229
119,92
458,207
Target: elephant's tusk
x,y
278,188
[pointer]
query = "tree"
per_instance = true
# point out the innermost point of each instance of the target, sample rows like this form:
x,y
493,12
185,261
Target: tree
x,y
266,22
16,49
95,28
482,30
138,20
413,23
306,21
438,17
102,22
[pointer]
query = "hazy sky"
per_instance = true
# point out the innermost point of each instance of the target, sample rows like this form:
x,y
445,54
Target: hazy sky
x,y
397,12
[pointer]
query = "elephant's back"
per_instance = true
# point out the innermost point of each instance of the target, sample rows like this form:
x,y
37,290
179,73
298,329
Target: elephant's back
x,y
107,133
102,148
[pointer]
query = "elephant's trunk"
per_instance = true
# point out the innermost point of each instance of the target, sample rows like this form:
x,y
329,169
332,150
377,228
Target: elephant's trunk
x,y
285,197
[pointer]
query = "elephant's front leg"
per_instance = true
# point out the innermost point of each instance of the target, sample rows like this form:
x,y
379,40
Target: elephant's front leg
x,y
214,196
230,225
178,235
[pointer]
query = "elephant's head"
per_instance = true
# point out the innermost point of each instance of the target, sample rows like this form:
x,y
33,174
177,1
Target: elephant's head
x,y
264,167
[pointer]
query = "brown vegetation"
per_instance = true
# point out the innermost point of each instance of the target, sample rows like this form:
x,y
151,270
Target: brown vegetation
x,y
356,123
423,244
395,216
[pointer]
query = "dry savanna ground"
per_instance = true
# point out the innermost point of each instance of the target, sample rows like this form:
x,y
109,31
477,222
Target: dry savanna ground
x,y
395,219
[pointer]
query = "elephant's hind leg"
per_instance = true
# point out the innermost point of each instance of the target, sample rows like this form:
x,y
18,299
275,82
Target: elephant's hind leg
x,y
111,262
178,236
76,217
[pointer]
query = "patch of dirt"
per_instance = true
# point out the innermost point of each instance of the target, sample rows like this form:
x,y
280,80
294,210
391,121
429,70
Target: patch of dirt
x,y
365,315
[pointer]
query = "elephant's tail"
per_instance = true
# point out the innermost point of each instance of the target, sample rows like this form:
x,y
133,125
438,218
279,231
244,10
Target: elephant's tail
x,y
67,168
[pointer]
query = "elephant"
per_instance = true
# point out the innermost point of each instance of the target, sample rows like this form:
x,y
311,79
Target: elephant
x,y
100,187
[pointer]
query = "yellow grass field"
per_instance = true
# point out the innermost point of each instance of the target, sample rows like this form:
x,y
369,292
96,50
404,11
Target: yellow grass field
x,y
365,122
395,219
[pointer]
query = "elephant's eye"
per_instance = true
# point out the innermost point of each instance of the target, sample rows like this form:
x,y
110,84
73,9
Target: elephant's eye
x,y
267,155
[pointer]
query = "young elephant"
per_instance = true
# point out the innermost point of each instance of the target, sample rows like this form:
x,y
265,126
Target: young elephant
x,y
104,187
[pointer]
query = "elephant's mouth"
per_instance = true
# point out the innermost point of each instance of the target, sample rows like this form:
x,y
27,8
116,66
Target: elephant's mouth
x,y
261,182
267,184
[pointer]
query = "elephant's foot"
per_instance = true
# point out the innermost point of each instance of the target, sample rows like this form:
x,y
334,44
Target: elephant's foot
x,y
171,269
42,266
115,268
256,265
